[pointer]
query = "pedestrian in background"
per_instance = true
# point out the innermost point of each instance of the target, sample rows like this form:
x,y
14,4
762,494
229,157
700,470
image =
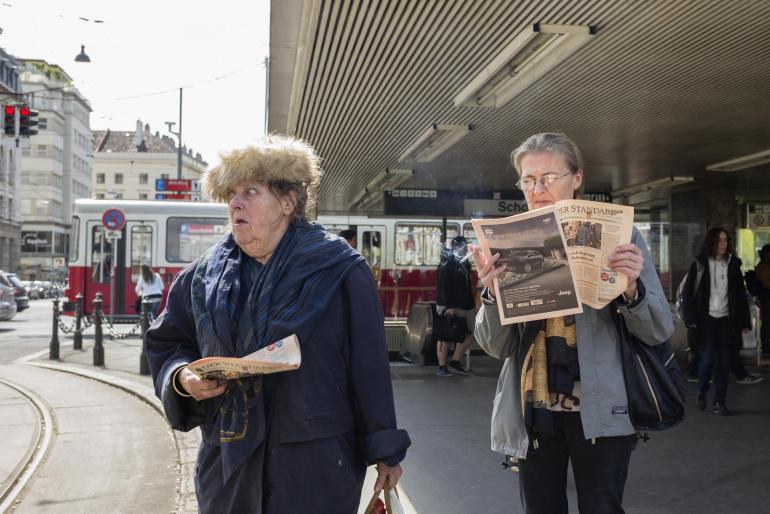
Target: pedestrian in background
x,y
150,287
454,297
719,314
561,397
763,276
291,442
350,236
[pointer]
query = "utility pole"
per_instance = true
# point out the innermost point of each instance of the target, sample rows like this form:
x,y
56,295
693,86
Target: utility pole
x,y
179,138
267,88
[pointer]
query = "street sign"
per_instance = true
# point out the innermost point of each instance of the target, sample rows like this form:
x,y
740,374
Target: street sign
x,y
113,219
114,234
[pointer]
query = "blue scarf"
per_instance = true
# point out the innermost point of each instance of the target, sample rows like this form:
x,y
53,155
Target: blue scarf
x,y
287,295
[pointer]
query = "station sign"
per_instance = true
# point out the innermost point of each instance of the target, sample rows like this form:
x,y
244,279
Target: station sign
x,y
177,184
113,219
485,208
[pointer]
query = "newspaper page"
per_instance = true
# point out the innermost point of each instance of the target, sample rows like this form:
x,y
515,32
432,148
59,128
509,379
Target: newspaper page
x,y
283,355
537,283
592,230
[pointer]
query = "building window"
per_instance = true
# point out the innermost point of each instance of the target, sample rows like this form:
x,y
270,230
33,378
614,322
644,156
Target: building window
x,y
100,178
118,178
118,196
42,123
42,151
100,196
164,175
143,196
143,178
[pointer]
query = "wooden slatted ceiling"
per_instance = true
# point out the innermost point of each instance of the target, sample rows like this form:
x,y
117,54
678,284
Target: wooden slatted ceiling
x,y
664,88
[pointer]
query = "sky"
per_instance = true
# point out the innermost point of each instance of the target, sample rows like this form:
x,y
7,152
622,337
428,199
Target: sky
x,y
144,51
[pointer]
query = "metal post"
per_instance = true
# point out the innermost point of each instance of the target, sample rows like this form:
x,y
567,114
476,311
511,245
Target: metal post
x,y
267,89
179,150
144,365
113,264
98,346
77,341
53,351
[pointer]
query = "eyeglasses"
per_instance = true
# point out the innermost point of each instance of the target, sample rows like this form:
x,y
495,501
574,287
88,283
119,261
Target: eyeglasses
x,y
528,184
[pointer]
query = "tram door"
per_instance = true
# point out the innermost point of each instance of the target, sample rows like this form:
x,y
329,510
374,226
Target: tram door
x,y
371,244
142,249
105,251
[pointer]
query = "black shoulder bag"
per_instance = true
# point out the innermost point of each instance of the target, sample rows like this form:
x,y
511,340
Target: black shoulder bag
x,y
654,382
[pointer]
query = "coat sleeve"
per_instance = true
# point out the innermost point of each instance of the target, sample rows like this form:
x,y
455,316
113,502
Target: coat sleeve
x,y
649,317
742,302
499,341
170,344
369,372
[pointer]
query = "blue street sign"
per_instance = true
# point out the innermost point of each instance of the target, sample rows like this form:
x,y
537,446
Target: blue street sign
x,y
113,219
160,184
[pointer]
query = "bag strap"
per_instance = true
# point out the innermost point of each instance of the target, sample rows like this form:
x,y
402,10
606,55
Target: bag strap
x,y
388,505
370,506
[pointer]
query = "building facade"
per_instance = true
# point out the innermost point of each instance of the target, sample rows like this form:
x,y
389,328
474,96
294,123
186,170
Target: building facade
x,y
10,166
126,164
55,170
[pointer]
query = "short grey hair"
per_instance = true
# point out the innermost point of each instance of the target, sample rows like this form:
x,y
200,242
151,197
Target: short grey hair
x,y
552,142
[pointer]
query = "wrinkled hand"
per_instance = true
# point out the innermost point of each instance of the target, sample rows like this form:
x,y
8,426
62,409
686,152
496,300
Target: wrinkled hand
x,y
383,471
200,388
627,259
486,268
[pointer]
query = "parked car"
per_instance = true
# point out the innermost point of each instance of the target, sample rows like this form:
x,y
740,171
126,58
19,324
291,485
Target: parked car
x,y
40,290
19,292
525,261
32,291
7,300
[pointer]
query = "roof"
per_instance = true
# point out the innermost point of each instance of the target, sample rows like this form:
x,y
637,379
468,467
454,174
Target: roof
x,y
109,141
661,89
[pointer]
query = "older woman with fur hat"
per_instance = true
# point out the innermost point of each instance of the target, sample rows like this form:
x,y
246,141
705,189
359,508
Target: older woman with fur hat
x,y
294,441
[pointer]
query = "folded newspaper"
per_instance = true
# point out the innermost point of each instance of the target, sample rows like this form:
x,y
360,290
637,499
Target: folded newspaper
x,y
283,355
556,258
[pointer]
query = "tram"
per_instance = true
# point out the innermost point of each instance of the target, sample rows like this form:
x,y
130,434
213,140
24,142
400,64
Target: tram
x,y
403,253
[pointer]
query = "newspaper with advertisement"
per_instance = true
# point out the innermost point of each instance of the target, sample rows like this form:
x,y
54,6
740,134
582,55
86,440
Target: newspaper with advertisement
x,y
283,355
556,258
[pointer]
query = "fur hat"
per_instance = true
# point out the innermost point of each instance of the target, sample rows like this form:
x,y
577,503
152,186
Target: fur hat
x,y
274,158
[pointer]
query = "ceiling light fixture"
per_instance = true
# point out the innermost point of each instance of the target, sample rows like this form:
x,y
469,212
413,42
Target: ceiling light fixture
x,y
662,183
389,179
531,54
742,163
434,141
365,200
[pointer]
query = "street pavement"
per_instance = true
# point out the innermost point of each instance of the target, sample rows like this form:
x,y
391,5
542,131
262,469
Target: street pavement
x,y
708,464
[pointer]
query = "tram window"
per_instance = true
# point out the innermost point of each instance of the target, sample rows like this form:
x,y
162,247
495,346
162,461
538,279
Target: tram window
x,y
141,249
75,238
101,256
371,248
188,238
420,244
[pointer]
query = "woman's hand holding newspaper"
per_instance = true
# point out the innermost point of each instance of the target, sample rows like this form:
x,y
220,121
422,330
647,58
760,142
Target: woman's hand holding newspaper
x,y
486,268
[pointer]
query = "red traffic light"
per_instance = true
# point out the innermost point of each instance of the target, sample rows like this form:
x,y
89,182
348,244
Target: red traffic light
x,y
10,110
24,111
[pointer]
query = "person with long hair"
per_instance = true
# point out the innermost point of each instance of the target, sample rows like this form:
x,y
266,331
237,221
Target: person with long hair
x,y
719,314
150,287
561,397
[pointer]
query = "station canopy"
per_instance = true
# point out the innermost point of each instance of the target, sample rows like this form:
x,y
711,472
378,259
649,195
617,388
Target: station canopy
x,y
649,90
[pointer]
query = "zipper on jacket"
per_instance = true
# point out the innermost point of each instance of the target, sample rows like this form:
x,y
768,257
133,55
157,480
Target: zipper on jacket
x,y
593,441
534,444
649,386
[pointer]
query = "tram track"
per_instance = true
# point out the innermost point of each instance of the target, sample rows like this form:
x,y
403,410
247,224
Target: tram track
x,y
36,453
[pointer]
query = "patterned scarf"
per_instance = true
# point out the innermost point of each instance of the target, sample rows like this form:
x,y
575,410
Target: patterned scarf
x,y
549,374
286,296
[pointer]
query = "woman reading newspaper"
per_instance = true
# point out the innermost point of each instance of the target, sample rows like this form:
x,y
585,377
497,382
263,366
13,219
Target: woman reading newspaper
x,y
294,441
561,394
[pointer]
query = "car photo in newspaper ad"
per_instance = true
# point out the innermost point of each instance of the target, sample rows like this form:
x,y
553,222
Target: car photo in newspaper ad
x,y
537,283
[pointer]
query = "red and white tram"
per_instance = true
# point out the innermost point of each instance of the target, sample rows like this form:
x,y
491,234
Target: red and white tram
x,y
402,252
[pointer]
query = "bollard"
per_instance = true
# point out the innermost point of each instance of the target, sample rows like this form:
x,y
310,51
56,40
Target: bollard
x,y
77,341
98,347
144,365
53,350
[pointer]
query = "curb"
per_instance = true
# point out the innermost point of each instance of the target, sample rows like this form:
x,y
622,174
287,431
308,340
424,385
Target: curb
x,y
186,442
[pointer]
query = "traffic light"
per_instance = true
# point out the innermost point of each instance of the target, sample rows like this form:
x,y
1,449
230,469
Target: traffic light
x,y
27,121
9,120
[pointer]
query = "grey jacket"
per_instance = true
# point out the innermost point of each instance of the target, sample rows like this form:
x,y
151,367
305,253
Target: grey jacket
x,y
603,402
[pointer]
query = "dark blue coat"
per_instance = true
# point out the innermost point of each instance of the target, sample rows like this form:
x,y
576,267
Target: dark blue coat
x,y
327,420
